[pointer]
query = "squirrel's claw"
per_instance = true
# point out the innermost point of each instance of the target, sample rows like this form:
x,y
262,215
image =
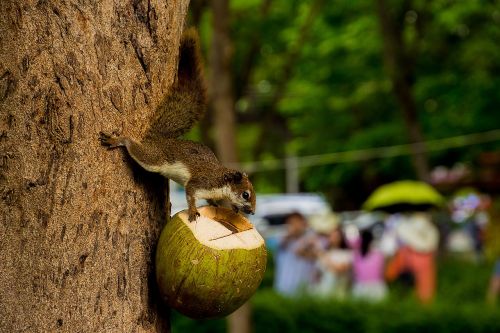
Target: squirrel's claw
x,y
193,216
104,138
109,141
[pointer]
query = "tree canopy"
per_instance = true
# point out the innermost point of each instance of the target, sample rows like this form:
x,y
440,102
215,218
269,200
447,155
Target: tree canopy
x,y
311,77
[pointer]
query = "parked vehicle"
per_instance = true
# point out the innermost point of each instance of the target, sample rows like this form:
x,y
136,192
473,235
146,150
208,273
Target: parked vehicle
x,y
273,208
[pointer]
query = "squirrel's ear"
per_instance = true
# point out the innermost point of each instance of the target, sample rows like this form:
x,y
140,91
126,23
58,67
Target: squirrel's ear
x,y
237,177
233,177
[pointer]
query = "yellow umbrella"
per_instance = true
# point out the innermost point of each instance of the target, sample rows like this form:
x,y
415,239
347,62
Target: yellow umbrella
x,y
404,195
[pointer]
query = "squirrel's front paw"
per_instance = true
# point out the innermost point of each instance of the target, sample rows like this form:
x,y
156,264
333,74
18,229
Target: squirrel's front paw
x,y
110,141
193,215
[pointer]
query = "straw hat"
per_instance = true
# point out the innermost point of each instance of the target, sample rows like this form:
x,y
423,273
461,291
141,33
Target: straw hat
x,y
324,223
418,232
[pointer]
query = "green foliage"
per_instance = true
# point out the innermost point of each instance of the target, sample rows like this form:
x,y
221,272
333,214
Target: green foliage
x,y
461,282
273,313
268,280
459,307
338,96
182,324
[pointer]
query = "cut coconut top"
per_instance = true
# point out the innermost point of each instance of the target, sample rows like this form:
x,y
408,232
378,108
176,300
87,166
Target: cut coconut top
x,y
220,228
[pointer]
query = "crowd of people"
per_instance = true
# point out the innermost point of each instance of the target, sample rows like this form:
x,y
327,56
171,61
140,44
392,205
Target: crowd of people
x,y
322,260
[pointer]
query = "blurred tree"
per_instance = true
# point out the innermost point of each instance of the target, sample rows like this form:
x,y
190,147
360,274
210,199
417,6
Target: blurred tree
x,y
224,119
272,120
338,97
400,62
221,84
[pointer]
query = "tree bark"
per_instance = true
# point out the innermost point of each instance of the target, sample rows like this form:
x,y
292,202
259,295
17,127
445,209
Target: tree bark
x,y
221,93
79,223
400,69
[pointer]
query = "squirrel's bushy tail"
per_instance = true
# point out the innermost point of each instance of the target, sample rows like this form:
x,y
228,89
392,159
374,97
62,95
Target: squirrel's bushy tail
x,y
185,104
190,70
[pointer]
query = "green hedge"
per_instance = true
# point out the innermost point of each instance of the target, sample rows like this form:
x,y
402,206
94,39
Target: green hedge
x,y
272,313
459,307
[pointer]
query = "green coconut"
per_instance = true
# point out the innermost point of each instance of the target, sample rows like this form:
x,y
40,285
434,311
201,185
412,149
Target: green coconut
x,y
209,267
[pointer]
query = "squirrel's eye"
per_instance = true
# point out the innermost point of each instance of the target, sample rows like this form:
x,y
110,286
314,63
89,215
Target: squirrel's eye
x,y
245,195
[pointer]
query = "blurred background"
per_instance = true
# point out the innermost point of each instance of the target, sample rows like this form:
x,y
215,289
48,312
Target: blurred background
x,y
324,102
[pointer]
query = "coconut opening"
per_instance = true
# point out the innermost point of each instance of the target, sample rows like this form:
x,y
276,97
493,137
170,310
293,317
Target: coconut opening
x,y
221,228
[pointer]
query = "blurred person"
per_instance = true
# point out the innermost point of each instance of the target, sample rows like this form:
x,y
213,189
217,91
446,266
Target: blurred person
x,y
294,259
368,269
333,266
475,230
414,259
478,225
492,233
494,288
389,241
469,208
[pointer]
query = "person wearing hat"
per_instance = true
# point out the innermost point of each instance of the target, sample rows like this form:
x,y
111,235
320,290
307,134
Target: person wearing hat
x,y
334,258
419,240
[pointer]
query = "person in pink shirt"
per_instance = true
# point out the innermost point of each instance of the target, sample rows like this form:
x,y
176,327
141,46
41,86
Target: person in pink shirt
x,y
368,269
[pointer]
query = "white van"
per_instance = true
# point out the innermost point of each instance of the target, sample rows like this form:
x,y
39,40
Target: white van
x,y
272,209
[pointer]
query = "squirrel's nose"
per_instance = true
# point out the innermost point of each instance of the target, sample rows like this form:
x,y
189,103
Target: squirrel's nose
x,y
248,210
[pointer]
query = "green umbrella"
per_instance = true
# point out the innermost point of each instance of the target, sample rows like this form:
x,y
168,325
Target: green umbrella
x,y
404,195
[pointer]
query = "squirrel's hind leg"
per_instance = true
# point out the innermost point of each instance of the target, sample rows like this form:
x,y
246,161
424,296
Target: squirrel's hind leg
x,y
149,159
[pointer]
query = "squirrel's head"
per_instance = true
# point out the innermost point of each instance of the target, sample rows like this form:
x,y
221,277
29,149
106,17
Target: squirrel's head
x,y
242,196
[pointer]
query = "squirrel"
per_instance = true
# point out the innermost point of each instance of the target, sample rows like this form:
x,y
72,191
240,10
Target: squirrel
x,y
191,164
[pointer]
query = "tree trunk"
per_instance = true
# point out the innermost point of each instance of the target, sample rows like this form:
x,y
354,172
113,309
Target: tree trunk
x,y
221,93
240,321
78,225
222,102
400,69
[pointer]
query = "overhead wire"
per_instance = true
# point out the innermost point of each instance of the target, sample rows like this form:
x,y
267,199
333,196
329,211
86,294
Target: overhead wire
x,y
370,153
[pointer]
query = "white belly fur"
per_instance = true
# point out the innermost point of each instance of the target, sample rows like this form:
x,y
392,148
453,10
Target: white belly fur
x,y
177,171
215,194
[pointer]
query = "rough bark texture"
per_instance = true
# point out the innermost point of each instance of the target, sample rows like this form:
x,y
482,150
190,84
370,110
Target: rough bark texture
x,y
79,223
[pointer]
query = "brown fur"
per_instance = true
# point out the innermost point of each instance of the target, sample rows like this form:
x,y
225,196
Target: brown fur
x,y
185,104
177,113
